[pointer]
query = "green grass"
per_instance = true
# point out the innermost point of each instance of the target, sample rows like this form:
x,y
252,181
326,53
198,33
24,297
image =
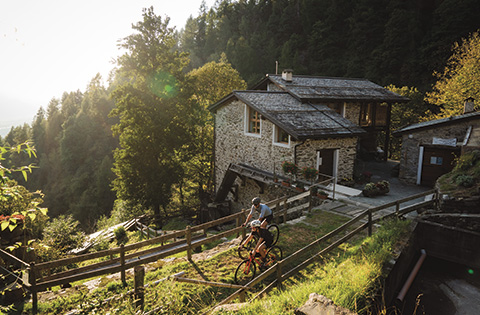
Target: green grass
x,y
349,277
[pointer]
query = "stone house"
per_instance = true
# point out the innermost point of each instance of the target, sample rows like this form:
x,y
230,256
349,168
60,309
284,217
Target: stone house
x,y
312,121
429,148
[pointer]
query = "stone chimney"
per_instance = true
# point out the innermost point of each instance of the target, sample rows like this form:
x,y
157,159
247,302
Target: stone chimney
x,y
287,75
469,105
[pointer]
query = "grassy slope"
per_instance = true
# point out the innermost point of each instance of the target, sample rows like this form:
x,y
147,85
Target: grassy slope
x,y
464,179
348,277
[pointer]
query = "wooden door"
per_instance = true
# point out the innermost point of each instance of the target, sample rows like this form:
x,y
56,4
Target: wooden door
x,y
436,162
325,161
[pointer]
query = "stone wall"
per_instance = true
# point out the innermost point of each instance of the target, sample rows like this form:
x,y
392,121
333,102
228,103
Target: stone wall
x,y
307,153
411,147
233,145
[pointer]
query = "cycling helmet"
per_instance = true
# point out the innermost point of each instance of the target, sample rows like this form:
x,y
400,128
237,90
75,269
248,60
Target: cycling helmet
x,y
256,201
255,223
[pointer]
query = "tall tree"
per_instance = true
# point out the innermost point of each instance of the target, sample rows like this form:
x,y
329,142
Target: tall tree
x,y
152,106
459,80
209,84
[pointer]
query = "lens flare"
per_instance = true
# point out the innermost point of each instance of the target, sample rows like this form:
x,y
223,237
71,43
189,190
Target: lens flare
x,y
163,85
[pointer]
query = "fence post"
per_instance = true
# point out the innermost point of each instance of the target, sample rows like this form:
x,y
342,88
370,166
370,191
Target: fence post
x,y
397,207
277,209
244,233
188,236
241,296
310,201
122,264
139,272
33,287
333,192
237,224
436,199
279,274
369,222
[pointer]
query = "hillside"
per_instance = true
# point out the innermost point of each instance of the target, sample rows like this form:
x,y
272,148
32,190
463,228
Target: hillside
x,y
348,276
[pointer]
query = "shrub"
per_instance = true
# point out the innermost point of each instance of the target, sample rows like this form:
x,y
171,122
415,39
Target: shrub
x,y
121,235
62,233
464,180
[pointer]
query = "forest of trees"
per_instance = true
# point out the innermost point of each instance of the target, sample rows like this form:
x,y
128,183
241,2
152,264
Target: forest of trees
x,y
145,141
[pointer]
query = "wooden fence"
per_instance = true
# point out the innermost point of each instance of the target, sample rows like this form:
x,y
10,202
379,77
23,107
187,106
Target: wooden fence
x,y
278,269
41,276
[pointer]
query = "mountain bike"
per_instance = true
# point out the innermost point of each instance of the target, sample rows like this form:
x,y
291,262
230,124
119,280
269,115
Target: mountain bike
x,y
244,250
246,270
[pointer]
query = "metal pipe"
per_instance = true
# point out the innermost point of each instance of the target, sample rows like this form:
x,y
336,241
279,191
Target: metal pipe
x,y
412,276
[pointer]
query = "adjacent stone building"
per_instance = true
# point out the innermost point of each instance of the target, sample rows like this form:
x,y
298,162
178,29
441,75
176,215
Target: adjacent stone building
x,y
312,121
429,149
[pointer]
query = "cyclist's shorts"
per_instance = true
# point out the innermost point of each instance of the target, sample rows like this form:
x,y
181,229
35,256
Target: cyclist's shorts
x,y
269,218
268,243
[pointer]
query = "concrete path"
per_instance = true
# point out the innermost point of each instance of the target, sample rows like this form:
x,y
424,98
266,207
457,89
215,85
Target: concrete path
x,y
351,202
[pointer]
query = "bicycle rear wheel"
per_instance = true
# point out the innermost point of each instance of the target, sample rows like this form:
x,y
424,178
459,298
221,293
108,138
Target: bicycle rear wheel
x,y
274,254
245,272
273,228
245,250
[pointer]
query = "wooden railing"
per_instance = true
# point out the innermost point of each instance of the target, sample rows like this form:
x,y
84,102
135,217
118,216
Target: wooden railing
x,y
295,258
41,276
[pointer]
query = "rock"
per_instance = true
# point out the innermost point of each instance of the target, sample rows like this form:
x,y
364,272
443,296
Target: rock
x,y
320,305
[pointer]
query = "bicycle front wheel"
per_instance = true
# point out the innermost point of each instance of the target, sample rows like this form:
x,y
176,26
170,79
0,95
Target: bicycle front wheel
x,y
273,228
244,251
245,272
274,254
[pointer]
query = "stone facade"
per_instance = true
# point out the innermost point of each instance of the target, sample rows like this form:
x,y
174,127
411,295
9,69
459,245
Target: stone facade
x,y
233,145
307,153
411,143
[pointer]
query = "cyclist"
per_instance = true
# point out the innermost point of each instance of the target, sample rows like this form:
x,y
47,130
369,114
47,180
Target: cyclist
x,y
266,214
265,239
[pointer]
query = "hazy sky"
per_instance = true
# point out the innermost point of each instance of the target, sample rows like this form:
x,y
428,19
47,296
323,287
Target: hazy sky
x,y
48,47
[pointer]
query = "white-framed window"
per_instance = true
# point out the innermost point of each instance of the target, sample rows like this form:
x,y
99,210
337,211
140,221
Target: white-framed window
x,y
281,137
253,122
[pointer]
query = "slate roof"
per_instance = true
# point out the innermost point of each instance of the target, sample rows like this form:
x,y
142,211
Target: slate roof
x,y
309,88
300,120
438,122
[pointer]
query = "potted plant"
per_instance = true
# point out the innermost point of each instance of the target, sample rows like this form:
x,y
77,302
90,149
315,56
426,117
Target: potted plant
x,y
376,189
299,186
369,190
290,169
322,195
309,173
383,187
